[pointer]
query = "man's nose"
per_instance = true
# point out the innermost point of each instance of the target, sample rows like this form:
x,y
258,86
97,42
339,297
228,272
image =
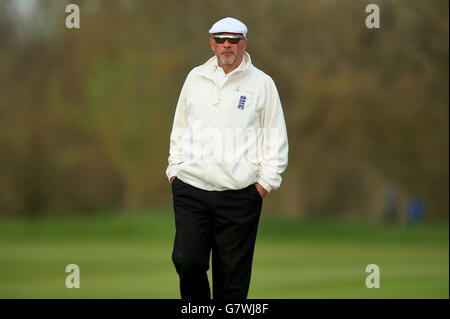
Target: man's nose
x,y
227,43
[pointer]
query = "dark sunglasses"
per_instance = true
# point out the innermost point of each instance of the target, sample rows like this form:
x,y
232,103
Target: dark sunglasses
x,y
232,40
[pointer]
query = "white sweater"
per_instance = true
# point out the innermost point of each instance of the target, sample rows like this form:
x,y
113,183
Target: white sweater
x,y
229,129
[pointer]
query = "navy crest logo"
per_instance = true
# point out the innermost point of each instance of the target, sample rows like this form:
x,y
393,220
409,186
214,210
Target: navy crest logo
x,y
242,102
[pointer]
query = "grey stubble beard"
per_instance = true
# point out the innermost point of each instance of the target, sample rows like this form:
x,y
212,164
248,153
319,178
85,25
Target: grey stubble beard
x,y
228,64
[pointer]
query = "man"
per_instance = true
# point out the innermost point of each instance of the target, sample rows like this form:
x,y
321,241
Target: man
x,y
228,147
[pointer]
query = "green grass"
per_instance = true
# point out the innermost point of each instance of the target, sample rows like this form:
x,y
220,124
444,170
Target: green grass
x,y
129,256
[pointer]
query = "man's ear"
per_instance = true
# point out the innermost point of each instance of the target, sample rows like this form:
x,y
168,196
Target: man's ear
x,y
245,44
211,42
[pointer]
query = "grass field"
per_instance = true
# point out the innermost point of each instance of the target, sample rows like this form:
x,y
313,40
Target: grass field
x,y
128,256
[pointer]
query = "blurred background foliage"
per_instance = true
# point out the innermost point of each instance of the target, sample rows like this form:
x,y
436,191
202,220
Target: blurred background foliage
x,y
85,114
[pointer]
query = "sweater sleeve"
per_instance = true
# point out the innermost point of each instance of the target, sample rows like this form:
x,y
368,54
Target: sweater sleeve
x,y
275,141
179,128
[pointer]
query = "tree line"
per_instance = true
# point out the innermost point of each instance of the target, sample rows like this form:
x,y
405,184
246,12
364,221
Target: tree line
x,y
86,113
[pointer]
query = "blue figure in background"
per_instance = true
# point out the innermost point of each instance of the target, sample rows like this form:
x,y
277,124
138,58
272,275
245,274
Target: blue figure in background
x,y
415,211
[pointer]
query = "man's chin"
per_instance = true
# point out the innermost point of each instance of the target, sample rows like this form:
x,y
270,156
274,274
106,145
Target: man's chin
x,y
227,62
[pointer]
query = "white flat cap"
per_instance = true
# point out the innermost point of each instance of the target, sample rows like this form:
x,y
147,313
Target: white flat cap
x,y
229,25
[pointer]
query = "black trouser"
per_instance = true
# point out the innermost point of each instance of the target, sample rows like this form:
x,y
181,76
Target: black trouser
x,y
224,222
